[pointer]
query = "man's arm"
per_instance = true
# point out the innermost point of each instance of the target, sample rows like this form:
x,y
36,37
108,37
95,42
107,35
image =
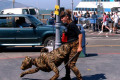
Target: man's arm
x,y
80,43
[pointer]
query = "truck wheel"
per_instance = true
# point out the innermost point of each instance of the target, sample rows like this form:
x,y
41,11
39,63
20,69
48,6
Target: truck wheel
x,y
1,48
49,41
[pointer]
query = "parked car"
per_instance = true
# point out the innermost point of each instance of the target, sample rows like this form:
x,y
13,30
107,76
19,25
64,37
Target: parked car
x,y
25,10
13,33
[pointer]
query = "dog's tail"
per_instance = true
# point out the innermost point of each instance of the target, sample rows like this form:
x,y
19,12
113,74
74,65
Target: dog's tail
x,y
44,50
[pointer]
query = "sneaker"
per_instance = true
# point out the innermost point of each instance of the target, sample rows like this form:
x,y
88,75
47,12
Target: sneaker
x,y
110,31
100,32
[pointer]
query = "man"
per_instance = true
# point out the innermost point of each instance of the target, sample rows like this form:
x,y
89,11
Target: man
x,y
115,19
73,33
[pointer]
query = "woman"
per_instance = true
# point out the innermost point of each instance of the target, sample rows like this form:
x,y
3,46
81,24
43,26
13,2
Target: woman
x,y
73,33
105,23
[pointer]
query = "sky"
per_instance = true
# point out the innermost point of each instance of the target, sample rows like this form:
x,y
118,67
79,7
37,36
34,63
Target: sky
x,y
48,4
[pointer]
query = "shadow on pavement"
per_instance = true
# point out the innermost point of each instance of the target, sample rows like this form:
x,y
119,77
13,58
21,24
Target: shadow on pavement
x,y
90,77
93,77
91,54
117,33
31,79
21,49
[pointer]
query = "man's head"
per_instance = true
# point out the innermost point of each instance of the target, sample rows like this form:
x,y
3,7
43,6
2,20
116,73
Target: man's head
x,y
116,13
26,63
65,16
104,13
22,19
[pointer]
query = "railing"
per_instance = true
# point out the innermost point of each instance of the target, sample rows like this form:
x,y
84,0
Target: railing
x,y
43,18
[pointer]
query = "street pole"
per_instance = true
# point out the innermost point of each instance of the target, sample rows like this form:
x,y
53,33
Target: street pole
x,y
72,10
13,3
57,25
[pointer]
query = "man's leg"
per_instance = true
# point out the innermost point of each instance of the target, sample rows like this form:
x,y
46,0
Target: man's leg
x,y
67,75
73,62
101,29
116,27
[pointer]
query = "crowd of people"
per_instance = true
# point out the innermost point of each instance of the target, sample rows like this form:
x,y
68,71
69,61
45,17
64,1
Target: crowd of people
x,y
107,20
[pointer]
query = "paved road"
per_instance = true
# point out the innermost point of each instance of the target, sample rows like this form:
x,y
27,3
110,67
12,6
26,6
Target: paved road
x,y
102,61
103,45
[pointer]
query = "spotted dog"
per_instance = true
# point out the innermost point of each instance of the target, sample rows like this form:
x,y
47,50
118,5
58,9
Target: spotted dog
x,y
49,61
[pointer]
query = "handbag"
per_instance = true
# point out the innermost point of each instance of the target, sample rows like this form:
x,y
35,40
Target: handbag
x,y
64,37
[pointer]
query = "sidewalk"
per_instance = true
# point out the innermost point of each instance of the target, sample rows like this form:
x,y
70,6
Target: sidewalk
x,y
90,33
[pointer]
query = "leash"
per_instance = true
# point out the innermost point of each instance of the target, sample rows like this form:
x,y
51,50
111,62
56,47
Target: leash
x,y
69,61
71,58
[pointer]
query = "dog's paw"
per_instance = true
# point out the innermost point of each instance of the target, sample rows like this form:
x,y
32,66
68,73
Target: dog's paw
x,y
22,75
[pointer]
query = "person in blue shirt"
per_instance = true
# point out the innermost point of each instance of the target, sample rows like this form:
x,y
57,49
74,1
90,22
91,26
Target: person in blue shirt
x,y
94,17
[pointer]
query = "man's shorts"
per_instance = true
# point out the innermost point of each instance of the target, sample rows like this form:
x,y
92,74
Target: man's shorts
x,y
105,23
115,24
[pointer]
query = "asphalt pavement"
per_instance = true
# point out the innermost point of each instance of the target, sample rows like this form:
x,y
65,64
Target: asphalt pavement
x,y
102,61
92,67
90,33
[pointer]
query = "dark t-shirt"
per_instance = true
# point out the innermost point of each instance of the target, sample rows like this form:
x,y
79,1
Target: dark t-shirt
x,y
72,31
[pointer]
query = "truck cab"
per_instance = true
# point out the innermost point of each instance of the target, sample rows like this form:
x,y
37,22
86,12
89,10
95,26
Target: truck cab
x,y
35,33
25,10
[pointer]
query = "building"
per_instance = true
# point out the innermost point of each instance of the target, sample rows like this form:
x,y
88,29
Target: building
x,y
92,5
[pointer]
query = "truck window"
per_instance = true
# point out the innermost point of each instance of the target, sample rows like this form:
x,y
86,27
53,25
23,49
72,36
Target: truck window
x,y
22,22
6,22
2,12
32,11
25,11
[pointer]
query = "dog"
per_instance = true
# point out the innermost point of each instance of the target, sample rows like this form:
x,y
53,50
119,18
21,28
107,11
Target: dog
x,y
49,61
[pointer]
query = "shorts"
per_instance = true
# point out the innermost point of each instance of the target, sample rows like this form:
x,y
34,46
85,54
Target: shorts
x,y
105,23
115,24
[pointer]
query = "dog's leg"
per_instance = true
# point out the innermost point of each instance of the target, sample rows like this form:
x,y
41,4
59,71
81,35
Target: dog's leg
x,y
55,69
34,70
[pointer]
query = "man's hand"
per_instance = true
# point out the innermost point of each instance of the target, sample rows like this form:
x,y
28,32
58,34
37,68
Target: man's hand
x,y
79,49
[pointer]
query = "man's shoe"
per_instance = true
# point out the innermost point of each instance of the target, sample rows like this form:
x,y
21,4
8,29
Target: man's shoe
x,y
100,32
66,78
110,31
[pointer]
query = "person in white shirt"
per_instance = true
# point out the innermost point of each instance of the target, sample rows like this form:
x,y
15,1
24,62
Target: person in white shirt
x,y
115,18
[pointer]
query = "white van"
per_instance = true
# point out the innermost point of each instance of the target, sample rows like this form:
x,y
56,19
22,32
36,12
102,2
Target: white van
x,y
26,10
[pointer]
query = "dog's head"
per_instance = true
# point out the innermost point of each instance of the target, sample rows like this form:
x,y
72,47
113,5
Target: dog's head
x,y
26,63
44,50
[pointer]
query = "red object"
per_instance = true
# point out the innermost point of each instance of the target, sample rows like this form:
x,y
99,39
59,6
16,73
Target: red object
x,y
64,37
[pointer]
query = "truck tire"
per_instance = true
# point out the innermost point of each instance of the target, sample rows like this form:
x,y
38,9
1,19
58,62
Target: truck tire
x,y
1,48
49,41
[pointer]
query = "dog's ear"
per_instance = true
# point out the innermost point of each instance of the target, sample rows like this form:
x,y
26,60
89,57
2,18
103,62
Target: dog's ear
x,y
28,58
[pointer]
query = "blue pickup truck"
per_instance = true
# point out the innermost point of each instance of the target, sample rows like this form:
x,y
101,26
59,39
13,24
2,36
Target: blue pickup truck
x,y
26,32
